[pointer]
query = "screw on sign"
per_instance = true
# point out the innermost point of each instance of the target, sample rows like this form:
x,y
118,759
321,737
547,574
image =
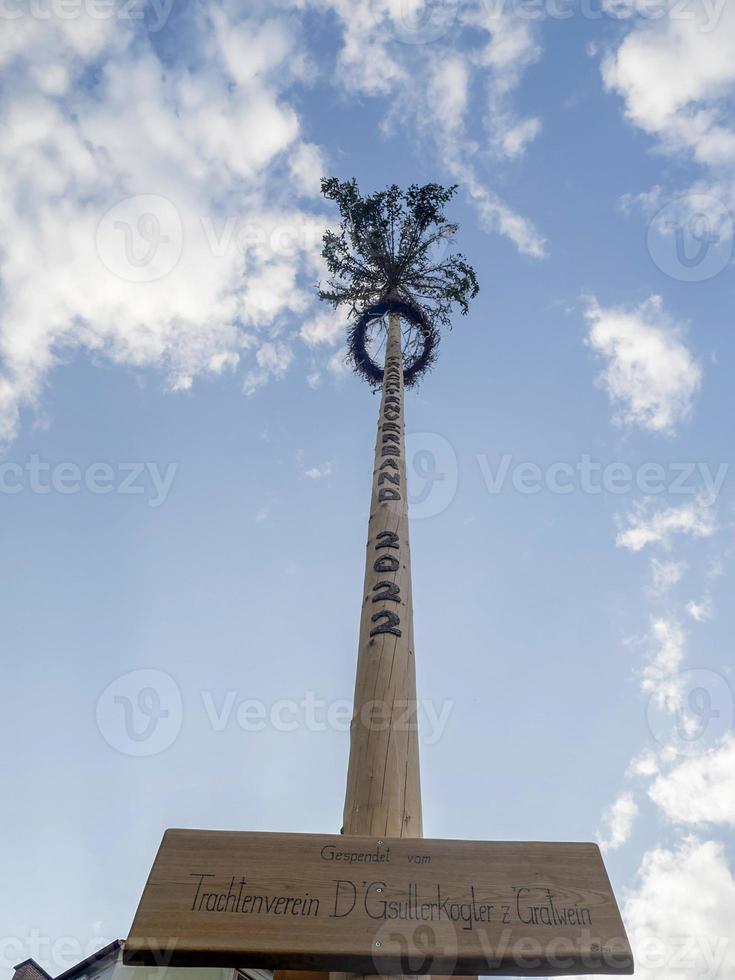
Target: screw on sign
x,y
415,949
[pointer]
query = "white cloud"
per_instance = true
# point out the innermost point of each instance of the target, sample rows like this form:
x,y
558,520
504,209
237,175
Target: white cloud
x,y
338,365
319,472
316,472
448,91
517,137
170,149
680,915
617,822
273,360
695,519
700,790
427,86
664,680
326,326
701,611
368,61
495,215
307,167
156,204
660,677
651,377
512,46
644,764
665,575
677,76
251,49
325,329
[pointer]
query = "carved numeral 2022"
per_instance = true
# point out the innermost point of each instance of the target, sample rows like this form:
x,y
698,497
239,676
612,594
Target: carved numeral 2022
x,y
386,621
390,623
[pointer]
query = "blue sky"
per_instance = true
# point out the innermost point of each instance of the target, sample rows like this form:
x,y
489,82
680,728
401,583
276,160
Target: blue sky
x,y
186,460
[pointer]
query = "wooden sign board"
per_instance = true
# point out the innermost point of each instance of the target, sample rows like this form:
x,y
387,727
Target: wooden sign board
x,y
363,905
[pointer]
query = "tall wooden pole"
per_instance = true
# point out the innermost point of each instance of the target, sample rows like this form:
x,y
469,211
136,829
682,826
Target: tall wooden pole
x,y
383,796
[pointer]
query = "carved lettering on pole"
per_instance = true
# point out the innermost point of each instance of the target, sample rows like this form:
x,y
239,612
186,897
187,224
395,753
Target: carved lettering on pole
x,y
389,489
389,623
387,539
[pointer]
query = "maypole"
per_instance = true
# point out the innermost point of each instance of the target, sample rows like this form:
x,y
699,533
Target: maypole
x,y
387,263
382,263
377,900
383,796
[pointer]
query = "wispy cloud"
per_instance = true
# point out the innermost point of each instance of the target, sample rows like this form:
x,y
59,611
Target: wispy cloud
x,y
677,77
680,912
165,212
665,575
475,44
273,360
317,471
699,790
147,227
660,677
651,377
695,519
617,822
703,610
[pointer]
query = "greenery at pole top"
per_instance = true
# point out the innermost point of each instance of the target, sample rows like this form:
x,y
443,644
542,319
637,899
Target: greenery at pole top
x,y
392,245
390,254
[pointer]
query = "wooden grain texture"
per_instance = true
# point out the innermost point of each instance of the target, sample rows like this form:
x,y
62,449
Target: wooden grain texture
x,y
316,903
383,794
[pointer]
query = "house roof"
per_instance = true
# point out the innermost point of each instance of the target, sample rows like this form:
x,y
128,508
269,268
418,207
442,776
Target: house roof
x,y
101,954
36,966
